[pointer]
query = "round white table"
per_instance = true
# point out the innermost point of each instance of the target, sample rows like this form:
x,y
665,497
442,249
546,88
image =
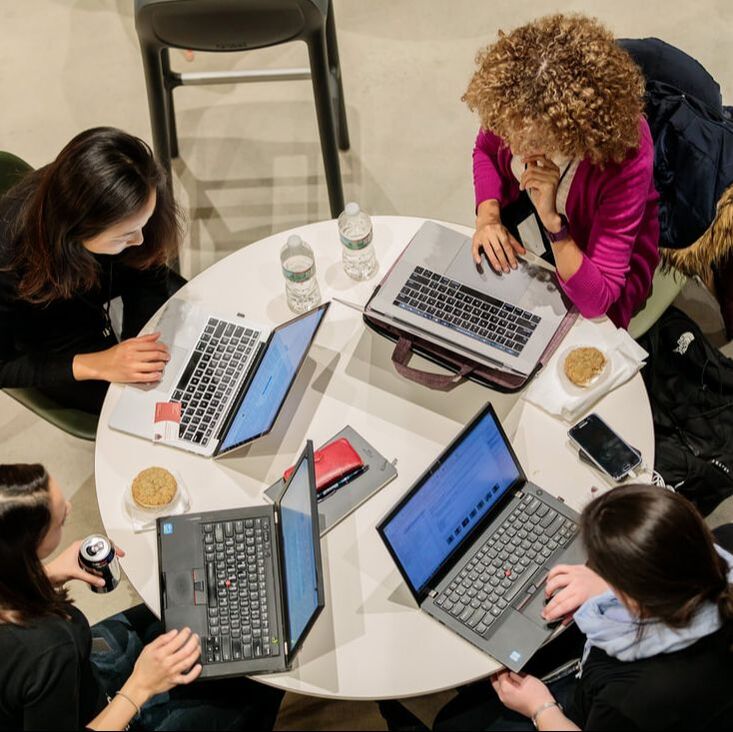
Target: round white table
x,y
371,641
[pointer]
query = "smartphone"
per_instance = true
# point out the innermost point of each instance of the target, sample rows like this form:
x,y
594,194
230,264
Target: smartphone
x,y
604,447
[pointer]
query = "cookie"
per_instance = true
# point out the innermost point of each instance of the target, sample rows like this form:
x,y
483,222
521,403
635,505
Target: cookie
x,y
154,488
582,365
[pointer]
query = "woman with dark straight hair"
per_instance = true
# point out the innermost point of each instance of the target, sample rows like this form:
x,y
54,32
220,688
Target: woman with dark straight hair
x,y
49,676
98,222
655,604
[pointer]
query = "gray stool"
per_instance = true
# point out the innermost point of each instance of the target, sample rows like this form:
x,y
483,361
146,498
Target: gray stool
x,y
239,25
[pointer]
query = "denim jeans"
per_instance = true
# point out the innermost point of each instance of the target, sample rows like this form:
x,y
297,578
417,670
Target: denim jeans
x,y
233,704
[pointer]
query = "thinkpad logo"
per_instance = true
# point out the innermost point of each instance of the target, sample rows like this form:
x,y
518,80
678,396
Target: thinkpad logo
x,y
683,343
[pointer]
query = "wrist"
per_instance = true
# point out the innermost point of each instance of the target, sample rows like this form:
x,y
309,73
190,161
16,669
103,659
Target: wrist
x,y
488,212
84,367
552,222
136,690
543,709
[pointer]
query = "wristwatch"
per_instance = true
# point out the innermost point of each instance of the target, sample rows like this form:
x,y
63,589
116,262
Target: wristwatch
x,y
564,232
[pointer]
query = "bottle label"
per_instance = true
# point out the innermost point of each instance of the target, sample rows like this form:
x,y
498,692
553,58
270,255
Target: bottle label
x,y
356,244
302,276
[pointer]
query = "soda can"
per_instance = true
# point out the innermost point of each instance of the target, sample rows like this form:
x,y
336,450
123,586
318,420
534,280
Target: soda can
x,y
97,556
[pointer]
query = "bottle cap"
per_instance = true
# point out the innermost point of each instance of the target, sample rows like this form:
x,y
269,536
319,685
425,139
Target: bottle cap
x,y
294,240
352,208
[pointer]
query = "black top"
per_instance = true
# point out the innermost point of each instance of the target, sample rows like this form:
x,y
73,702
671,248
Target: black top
x,y
38,342
690,689
46,677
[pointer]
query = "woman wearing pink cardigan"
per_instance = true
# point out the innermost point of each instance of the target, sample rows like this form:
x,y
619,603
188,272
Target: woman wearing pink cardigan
x,y
561,109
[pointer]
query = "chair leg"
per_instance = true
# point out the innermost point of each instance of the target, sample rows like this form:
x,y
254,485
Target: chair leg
x,y
335,67
326,122
154,81
170,109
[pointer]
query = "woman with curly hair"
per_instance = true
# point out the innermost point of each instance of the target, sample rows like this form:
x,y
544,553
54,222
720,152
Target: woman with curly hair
x,y
561,108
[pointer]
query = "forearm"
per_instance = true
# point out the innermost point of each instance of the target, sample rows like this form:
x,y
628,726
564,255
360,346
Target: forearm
x,y
118,714
568,257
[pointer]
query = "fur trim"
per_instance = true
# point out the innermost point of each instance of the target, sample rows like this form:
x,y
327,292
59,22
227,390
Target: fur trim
x,y
711,248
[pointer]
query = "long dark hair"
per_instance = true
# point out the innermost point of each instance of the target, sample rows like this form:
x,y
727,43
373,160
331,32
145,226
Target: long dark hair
x,y
101,177
653,545
25,517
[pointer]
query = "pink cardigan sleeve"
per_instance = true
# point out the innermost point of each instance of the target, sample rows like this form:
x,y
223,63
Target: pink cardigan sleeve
x,y
487,180
616,225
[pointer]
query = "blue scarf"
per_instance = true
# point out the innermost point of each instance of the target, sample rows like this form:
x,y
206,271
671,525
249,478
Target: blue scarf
x,y
608,625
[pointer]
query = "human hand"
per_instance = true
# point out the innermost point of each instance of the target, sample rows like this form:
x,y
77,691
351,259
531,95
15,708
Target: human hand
x,y
498,244
520,693
569,586
135,360
66,567
168,661
541,179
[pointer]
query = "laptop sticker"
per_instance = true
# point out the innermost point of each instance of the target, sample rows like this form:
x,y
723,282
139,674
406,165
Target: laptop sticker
x,y
166,422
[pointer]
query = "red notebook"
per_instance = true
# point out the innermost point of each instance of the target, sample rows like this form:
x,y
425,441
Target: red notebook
x,y
332,462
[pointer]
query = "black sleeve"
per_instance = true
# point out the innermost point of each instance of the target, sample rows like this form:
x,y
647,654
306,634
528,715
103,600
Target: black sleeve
x,y
51,694
22,369
143,292
607,717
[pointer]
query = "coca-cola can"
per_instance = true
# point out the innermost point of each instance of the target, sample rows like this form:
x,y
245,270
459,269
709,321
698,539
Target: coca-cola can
x,y
97,556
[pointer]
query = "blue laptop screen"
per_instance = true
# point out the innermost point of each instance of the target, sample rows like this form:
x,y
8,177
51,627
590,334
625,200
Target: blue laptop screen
x,y
436,520
301,577
275,374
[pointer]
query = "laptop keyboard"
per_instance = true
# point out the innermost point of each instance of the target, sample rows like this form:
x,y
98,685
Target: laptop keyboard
x,y
239,595
211,374
469,311
497,572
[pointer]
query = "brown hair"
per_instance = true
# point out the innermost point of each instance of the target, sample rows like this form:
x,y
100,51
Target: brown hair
x,y
25,517
100,178
564,79
653,545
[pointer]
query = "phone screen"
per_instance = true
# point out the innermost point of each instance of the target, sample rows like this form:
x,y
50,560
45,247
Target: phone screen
x,y
604,446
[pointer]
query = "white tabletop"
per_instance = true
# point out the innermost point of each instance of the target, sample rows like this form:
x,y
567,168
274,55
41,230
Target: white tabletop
x,y
371,641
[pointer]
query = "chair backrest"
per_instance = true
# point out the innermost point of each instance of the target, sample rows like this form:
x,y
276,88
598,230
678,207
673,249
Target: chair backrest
x,y
12,169
227,25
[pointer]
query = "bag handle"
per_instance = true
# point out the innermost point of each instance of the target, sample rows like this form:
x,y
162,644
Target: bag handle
x,y
441,382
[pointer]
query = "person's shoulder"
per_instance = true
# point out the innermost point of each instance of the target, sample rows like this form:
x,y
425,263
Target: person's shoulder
x,y
39,636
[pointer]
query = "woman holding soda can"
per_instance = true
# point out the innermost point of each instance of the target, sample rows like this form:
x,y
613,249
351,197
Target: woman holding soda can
x,y
58,673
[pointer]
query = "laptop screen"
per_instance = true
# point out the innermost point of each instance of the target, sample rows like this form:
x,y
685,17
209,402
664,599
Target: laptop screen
x,y
300,553
275,375
438,515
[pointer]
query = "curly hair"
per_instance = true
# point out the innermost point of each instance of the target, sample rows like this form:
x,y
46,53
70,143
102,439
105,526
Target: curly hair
x,y
560,83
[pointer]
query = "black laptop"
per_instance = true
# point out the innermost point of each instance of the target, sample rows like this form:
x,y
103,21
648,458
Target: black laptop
x,y
249,581
474,541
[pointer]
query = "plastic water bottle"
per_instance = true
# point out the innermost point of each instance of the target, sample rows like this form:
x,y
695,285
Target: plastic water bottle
x,y
355,232
299,270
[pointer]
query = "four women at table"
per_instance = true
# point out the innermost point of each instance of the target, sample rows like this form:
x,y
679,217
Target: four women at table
x,y
561,112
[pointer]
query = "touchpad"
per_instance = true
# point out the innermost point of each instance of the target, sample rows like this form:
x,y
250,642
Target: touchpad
x,y
179,588
507,287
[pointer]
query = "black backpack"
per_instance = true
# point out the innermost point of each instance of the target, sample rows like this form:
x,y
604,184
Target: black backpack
x,y
690,387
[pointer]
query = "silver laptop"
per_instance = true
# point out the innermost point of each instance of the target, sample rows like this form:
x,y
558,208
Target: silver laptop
x,y
474,540
436,291
230,375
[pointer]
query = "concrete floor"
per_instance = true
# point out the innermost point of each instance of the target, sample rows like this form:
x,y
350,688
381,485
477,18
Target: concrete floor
x,y
250,160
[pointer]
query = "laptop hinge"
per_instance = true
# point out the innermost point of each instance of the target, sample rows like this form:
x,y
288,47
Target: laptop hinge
x,y
433,593
275,513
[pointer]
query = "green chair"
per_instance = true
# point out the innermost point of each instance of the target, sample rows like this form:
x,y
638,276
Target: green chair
x,y
73,421
666,285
